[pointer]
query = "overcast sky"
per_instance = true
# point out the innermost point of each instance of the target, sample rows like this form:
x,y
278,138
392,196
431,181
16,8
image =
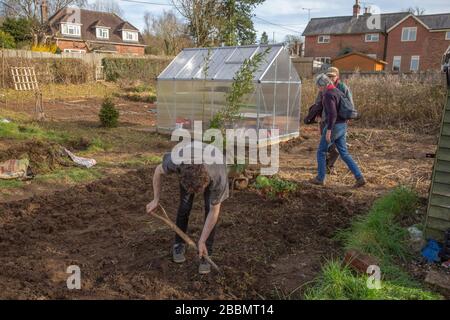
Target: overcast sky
x,y
289,15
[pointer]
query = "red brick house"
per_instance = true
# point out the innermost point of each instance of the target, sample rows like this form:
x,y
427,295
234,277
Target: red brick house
x,y
405,41
82,31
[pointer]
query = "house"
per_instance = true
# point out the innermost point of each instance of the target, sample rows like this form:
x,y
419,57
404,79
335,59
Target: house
x,y
82,31
405,41
358,61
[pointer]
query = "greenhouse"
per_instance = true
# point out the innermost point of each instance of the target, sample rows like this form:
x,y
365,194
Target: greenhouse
x,y
195,84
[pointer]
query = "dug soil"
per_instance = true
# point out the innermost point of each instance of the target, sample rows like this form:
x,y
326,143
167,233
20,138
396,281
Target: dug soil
x,y
125,253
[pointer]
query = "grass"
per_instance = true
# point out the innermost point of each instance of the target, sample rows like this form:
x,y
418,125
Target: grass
x,y
14,130
337,282
71,176
64,92
380,235
142,161
10,184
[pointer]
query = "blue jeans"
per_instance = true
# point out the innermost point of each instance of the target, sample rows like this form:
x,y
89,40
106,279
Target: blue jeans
x,y
339,138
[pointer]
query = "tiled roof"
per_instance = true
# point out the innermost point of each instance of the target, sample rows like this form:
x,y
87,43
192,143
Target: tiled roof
x,y
89,20
361,24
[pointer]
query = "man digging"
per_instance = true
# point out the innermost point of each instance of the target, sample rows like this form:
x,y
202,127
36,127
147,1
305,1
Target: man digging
x,y
209,179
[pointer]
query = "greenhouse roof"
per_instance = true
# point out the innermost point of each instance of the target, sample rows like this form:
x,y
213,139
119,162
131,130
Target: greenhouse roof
x,y
224,62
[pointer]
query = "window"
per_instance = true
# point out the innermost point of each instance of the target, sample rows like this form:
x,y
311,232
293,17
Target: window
x,y
372,55
102,33
447,35
323,39
74,51
409,34
326,60
397,63
73,30
372,37
415,63
130,36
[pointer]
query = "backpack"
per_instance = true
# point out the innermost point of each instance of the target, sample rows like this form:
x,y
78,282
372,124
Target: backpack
x,y
347,110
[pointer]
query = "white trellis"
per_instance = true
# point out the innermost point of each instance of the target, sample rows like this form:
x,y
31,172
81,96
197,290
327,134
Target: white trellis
x,y
25,79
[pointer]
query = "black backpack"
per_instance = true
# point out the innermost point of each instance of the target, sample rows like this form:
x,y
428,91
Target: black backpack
x,y
347,110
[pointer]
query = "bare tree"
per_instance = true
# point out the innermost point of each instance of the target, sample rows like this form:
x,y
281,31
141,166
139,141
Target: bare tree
x,y
30,9
202,17
418,11
110,6
166,32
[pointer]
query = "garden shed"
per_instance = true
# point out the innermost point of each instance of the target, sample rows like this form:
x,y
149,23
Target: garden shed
x,y
194,86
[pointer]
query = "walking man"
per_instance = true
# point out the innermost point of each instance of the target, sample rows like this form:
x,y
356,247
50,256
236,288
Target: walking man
x,y
208,178
334,132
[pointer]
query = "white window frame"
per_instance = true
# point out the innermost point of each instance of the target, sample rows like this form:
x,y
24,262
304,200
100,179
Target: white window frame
x,y
324,39
74,51
372,55
67,27
408,31
134,36
414,58
369,37
399,59
447,35
326,60
100,33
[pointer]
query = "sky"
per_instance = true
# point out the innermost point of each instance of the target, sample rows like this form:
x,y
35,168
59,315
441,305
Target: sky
x,y
283,17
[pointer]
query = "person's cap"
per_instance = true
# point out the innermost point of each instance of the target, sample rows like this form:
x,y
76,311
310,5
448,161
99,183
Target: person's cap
x,y
333,72
322,80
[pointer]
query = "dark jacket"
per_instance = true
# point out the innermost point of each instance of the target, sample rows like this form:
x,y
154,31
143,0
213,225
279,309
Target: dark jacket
x,y
316,110
330,101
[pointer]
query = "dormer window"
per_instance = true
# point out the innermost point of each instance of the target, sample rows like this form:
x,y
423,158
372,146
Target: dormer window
x,y
131,36
70,29
102,33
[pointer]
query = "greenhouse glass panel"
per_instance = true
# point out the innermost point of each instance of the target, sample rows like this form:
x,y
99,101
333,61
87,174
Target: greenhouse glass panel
x,y
185,95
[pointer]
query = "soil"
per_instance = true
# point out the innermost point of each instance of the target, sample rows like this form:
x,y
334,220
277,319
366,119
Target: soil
x,y
87,109
124,253
266,249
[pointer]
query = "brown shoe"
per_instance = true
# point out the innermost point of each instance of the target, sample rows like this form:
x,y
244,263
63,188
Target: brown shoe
x,y
317,182
361,182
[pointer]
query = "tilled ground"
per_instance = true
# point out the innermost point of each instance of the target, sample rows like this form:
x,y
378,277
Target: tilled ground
x,y
124,253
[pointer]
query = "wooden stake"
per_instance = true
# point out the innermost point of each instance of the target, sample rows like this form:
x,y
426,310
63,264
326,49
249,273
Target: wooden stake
x,y
183,235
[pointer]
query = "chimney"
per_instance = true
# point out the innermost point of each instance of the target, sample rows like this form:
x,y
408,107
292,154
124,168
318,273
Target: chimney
x,y
356,9
44,11
367,11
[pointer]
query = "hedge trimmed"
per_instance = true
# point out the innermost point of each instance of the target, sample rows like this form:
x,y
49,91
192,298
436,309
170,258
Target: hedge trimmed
x,y
143,69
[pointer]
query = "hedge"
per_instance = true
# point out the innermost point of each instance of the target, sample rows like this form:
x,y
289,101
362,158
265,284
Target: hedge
x,y
68,71
143,69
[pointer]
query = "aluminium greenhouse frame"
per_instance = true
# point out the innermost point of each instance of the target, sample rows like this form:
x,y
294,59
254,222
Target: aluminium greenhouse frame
x,y
193,87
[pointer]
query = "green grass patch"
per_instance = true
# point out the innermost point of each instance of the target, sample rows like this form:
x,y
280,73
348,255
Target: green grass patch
x,y
380,235
10,184
71,176
142,161
338,282
19,131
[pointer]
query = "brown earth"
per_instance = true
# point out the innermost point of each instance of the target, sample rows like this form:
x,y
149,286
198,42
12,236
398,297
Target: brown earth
x,y
267,249
124,253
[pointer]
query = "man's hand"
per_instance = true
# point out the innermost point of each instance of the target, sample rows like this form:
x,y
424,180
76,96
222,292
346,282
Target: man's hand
x,y
202,251
328,137
152,206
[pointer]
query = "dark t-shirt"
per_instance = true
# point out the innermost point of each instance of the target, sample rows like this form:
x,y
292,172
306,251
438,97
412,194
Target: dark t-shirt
x,y
218,186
